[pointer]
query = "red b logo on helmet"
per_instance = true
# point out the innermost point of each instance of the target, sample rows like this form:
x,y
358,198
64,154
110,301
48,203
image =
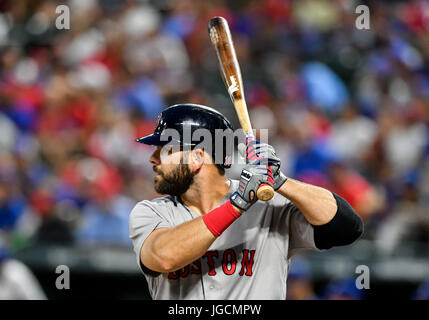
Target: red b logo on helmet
x,y
228,161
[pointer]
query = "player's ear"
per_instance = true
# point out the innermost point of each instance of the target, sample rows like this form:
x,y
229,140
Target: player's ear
x,y
197,159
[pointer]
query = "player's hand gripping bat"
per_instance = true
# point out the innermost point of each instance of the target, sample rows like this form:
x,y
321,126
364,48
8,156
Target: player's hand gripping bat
x,y
220,37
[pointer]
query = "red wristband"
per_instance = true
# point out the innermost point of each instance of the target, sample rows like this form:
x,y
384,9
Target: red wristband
x,y
220,218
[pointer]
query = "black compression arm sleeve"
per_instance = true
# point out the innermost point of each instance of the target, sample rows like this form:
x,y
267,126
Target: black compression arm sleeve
x,y
344,228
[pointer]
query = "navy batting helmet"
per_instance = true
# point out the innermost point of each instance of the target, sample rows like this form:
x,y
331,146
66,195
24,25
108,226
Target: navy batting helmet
x,y
185,120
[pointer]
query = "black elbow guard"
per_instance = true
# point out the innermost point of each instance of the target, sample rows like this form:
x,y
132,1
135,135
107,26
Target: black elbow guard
x,y
344,228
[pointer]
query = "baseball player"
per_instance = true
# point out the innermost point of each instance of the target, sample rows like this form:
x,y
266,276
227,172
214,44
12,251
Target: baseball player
x,y
209,237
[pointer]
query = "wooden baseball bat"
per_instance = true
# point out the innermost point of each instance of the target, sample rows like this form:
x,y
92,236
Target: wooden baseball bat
x,y
221,39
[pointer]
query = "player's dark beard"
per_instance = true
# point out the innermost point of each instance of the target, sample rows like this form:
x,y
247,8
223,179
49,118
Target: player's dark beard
x,y
176,182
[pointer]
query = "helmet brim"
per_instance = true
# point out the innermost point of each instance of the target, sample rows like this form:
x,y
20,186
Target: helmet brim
x,y
152,140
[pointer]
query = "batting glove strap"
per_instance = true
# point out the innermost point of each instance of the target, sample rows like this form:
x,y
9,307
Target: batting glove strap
x,y
279,180
239,202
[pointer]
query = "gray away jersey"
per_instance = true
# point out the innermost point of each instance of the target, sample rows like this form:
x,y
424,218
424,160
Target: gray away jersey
x,y
249,261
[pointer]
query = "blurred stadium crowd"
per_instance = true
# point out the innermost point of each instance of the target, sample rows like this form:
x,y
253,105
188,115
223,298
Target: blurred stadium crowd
x,y
346,109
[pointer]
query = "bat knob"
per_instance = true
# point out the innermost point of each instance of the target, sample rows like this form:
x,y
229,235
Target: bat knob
x,y
265,192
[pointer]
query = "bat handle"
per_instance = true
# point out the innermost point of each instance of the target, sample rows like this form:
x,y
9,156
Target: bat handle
x,y
265,192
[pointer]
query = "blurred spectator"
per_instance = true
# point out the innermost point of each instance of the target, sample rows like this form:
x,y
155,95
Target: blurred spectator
x,y
300,283
12,201
17,282
353,187
351,134
422,291
56,226
325,89
407,221
343,289
105,222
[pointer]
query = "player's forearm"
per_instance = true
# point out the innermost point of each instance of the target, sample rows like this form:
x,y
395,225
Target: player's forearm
x,y
170,249
317,204
174,248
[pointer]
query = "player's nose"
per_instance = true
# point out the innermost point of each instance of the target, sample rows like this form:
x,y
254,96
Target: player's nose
x,y
155,157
